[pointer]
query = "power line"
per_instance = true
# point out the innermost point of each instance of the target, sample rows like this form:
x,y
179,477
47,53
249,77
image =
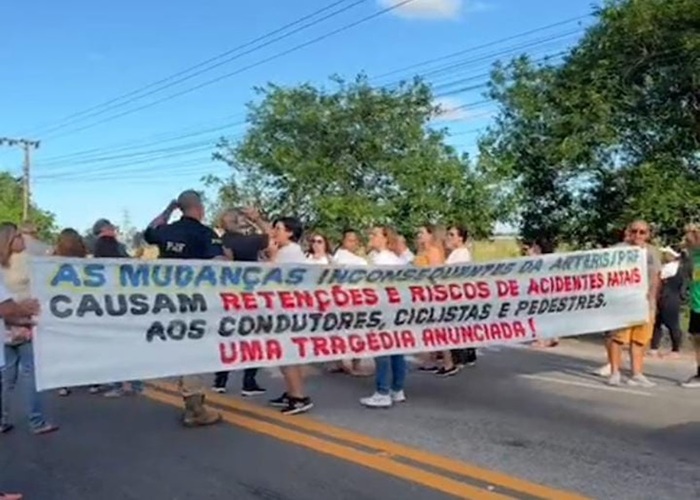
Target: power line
x,y
130,167
130,145
183,149
462,64
135,94
483,46
244,68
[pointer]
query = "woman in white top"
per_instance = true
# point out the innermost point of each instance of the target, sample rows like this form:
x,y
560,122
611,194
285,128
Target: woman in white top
x,y
19,353
346,255
457,242
390,372
285,249
319,250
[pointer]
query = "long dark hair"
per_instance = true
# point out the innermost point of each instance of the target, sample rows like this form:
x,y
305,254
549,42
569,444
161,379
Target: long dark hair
x,y
70,244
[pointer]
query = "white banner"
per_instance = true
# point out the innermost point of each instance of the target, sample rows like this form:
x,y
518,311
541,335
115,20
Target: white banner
x,y
113,320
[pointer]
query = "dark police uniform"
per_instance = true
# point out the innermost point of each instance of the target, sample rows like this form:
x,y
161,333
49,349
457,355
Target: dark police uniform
x,y
186,238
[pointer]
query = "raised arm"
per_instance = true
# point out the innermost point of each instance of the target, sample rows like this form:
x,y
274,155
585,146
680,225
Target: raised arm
x,y
164,216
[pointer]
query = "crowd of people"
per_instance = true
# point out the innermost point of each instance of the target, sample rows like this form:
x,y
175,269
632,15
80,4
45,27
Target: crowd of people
x,y
243,235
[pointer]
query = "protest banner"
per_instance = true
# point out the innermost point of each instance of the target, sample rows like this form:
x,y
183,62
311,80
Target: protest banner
x,y
110,320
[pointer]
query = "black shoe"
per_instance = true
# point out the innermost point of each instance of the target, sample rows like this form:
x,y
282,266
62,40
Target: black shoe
x,y
428,369
254,390
447,372
219,390
295,406
280,402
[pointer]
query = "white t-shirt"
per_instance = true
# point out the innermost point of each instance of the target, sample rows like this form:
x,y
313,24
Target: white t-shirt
x,y
5,294
407,257
16,277
347,258
290,254
323,261
459,255
669,270
387,258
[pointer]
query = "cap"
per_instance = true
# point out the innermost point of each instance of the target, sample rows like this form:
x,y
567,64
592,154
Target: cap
x,y
188,198
100,226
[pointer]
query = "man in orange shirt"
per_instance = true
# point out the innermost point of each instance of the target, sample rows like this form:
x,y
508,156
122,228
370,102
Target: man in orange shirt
x,y
638,336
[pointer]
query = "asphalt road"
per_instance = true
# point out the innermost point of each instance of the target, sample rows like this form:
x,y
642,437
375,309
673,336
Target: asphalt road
x,y
521,424
134,449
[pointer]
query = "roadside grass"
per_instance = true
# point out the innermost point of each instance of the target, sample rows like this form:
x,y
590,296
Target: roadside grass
x,y
495,249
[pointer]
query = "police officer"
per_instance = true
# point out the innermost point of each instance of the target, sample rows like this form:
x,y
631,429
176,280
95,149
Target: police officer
x,y
188,238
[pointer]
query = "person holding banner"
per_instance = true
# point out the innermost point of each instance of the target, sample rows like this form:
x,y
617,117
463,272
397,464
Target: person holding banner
x,y
70,244
18,349
606,370
107,246
188,238
244,245
541,246
10,309
432,250
285,249
390,374
347,255
638,337
456,243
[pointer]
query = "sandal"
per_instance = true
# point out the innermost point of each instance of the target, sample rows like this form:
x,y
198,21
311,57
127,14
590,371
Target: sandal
x,y
4,429
11,496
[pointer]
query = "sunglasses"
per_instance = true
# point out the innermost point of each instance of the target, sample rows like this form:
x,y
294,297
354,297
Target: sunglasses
x,y
317,241
639,231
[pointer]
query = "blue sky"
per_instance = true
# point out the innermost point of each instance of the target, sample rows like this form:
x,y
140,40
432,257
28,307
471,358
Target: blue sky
x,y
62,58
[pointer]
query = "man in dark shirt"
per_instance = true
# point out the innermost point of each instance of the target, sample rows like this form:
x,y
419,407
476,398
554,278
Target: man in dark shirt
x,y
245,245
188,238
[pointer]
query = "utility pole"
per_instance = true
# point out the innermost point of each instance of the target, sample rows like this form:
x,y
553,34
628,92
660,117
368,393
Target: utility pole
x,y
27,146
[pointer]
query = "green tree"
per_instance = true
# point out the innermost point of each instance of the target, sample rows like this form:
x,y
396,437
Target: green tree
x,y
11,207
612,133
520,148
352,156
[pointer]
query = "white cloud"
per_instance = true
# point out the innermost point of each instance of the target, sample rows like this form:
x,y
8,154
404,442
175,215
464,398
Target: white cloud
x,y
435,9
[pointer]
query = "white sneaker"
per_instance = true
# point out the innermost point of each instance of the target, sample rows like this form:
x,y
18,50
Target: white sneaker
x,y
398,396
640,381
603,371
377,400
615,379
692,383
